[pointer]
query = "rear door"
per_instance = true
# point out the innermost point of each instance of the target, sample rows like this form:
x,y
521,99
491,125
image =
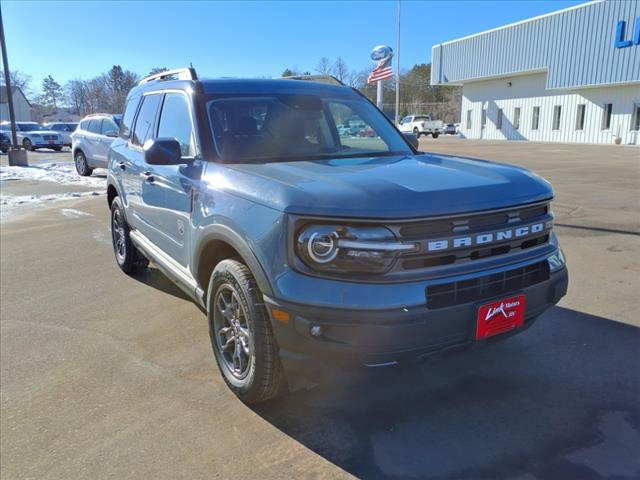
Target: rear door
x,y
167,190
92,142
108,131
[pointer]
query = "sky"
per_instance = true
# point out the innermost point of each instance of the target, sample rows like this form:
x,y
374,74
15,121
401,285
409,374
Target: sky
x,y
237,39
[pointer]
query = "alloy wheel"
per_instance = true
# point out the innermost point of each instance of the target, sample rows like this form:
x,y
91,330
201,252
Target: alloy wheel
x,y
233,338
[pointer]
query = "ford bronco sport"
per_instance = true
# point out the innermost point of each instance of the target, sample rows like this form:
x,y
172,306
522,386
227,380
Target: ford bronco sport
x,y
308,248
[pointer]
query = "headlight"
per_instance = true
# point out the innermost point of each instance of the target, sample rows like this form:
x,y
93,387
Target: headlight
x,y
346,249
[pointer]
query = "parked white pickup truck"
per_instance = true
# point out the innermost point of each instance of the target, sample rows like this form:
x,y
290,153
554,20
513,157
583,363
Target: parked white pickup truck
x,y
421,125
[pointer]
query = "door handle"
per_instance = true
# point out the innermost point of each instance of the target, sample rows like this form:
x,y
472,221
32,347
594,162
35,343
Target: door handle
x,y
122,166
150,178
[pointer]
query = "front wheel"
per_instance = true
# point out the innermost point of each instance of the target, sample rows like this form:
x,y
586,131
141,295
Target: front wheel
x,y
241,335
82,167
435,135
26,143
416,132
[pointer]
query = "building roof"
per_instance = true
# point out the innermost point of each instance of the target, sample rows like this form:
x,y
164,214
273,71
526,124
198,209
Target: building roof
x,y
576,46
3,94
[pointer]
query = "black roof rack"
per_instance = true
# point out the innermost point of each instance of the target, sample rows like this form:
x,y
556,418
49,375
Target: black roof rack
x,y
330,79
188,73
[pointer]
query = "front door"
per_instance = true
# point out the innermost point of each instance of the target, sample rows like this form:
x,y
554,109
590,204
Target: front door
x,y
167,192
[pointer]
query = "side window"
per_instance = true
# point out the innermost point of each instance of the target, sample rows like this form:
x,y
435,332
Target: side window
x,y
94,126
84,124
127,119
143,129
109,127
175,122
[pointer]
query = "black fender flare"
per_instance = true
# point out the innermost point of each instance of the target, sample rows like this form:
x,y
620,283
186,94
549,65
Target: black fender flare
x,y
225,234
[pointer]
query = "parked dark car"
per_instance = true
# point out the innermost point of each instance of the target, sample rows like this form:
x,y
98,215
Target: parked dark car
x,y
5,142
312,251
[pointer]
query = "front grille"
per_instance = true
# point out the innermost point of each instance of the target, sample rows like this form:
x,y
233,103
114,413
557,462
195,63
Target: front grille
x,y
475,224
483,288
50,137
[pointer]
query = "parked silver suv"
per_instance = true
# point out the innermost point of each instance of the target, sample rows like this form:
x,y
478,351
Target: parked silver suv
x,y
91,141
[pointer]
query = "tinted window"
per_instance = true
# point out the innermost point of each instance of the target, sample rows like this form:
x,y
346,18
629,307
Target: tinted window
x,y
94,126
175,122
499,120
84,124
516,118
535,119
127,119
108,126
635,120
143,129
301,127
606,116
580,117
557,113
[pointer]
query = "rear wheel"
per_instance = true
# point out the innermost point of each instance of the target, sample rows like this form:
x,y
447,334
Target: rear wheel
x,y
82,167
26,143
129,259
241,335
435,135
57,149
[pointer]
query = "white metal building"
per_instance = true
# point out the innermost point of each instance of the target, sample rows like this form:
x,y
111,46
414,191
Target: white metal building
x,y
569,76
21,105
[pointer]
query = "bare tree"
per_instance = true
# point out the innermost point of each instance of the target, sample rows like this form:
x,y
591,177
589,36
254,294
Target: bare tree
x,y
324,66
19,79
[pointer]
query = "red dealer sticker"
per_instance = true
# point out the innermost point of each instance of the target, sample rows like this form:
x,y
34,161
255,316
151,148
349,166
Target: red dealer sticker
x,y
500,316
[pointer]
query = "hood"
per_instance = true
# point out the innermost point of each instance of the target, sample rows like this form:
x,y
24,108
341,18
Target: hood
x,y
39,132
382,187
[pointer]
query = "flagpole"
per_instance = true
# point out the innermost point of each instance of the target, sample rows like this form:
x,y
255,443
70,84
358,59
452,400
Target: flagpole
x,y
398,69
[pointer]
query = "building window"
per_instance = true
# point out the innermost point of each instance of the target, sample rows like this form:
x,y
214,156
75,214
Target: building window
x,y
499,120
483,120
535,119
635,118
516,118
580,116
557,112
469,119
606,116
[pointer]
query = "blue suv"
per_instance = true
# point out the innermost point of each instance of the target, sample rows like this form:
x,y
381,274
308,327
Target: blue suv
x,y
312,246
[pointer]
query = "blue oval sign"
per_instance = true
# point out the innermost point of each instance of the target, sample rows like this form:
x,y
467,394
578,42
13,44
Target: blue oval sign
x,y
381,52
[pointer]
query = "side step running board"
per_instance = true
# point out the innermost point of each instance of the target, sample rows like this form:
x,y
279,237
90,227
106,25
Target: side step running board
x,y
180,275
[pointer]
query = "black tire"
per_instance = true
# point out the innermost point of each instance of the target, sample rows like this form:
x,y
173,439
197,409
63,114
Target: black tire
x,y
416,132
26,143
262,377
128,258
82,167
435,135
57,149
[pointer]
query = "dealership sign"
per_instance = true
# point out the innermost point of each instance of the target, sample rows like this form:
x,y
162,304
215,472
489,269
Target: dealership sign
x,y
620,35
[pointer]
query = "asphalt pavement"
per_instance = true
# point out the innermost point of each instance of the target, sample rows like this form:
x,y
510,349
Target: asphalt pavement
x,y
108,376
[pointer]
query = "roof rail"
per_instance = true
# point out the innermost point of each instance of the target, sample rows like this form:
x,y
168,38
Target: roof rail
x,y
330,79
188,73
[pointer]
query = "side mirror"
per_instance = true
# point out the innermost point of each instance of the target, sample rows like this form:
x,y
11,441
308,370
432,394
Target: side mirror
x,y
162,151
112,134
412,139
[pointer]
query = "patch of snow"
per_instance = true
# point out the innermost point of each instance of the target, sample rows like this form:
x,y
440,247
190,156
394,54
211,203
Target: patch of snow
x,y
11,205
101,238
62,173
73,213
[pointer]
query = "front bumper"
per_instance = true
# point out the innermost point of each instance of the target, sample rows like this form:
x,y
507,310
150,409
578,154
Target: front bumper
x,y
390,336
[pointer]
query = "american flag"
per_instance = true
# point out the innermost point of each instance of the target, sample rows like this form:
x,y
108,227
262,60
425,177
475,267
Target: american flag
x,y
381,72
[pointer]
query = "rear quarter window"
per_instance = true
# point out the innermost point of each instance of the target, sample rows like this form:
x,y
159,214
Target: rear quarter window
x,y
127,119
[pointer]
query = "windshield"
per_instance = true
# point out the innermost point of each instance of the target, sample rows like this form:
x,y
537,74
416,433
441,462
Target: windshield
x,y
29,127
300,127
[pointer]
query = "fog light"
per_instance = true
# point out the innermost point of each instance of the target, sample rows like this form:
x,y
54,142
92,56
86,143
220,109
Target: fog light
x,y
316,330
556,261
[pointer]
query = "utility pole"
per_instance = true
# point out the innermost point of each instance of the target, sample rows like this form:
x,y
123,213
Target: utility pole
x,y
17,157
398,69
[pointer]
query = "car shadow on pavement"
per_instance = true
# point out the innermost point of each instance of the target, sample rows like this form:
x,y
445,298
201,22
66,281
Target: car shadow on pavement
x,y
153,277
559,401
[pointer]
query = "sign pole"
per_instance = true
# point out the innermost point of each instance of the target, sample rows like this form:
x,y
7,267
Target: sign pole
x,y
397,119
380,99
17,157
